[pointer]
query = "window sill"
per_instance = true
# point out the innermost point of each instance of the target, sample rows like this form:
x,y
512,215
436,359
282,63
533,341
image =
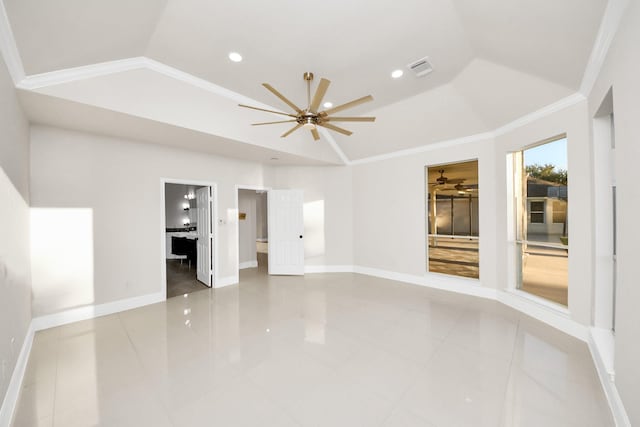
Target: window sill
x,y
549,305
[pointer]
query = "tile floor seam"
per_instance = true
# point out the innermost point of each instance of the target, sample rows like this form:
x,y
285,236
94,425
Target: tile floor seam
x,y
275,402
511,362
445,345
407,389
144,371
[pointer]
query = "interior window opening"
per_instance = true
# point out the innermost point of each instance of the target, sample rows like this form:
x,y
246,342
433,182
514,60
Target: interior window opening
x,y
452,199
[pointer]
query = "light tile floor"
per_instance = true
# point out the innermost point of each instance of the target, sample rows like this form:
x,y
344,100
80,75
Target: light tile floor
x,y
320,350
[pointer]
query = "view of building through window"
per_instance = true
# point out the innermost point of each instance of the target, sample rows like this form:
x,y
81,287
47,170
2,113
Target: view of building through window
x,y
452,219
542,227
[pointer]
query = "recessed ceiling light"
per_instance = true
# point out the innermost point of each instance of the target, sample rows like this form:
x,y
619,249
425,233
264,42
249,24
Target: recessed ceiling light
x,y
396,74
328,104
235,57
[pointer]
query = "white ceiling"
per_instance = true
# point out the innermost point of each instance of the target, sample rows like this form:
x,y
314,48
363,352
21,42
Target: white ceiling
x,y
494,60
53,111
53,35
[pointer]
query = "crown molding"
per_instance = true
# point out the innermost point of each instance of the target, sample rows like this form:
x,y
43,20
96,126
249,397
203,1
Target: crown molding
x,y
68,75
511,126
52,78
106,68
9,49
542,112
608,28
424,148
612,17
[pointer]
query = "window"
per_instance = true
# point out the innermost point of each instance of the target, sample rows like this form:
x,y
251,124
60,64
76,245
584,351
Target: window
x,y
540,186
537,212
452,199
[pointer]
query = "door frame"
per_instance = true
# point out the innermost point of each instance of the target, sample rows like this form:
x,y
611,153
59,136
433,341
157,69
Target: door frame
x,y
237,209
163,227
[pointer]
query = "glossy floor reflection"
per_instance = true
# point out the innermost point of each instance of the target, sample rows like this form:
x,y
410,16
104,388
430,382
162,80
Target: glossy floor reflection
x,y
320,350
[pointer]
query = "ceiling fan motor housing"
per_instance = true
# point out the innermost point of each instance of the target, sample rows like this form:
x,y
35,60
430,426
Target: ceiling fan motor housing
x,y
310,117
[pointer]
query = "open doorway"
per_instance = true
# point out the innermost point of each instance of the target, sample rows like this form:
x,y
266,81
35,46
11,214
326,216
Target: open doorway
x,y
188,237
253,235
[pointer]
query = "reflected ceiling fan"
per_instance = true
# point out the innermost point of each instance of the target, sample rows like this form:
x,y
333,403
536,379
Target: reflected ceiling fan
x,y
310,117
443,180
465,187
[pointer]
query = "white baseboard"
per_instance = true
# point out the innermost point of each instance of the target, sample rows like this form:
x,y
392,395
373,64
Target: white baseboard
x,y
248,264
607,376
15,384
221,282
555,318
328,269
544,314
93,311
451,284
58,319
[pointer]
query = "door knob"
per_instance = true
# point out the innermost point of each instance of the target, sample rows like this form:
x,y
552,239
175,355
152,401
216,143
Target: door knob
x,y
301,236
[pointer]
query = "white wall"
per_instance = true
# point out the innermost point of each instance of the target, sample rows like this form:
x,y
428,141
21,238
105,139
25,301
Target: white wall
x,y
389,210
118,181
15,294
247,228
572,121
328,210
621,71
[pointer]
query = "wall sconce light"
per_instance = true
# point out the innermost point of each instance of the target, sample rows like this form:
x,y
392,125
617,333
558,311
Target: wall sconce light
x,y
190,196
185,221
185,206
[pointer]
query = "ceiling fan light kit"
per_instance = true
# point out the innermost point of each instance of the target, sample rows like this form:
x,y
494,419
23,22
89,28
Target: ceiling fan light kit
x,y
310,118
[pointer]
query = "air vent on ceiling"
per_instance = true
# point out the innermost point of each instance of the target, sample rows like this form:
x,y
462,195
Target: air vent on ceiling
x,y
421,67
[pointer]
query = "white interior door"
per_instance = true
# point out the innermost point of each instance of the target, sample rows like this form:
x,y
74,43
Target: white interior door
x,y
286,232
205,236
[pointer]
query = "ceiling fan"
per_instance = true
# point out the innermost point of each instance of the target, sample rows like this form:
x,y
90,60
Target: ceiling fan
x,y
310,117
442,180
466,187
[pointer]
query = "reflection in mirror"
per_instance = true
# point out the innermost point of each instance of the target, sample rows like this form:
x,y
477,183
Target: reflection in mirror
x,y
452,219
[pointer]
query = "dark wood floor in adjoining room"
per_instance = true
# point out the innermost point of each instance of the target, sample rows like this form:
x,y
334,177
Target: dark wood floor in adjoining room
x,y
182,279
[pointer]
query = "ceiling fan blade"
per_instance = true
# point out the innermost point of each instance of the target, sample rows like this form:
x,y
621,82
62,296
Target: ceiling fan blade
x,y
316,135
351,104
350,119
273,123
335,128
320,92
268,111
290,131
282,97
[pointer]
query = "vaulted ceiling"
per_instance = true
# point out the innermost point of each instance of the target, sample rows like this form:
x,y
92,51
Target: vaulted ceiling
x,y
494,61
